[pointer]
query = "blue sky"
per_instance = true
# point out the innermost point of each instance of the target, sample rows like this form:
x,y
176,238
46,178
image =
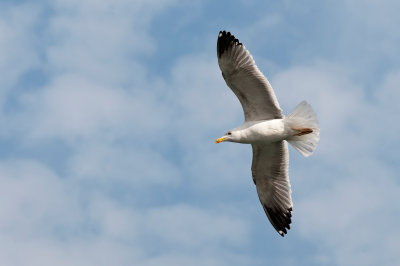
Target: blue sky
x,y
109,111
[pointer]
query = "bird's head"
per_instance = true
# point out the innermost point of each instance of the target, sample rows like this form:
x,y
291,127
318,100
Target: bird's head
x,y
232,136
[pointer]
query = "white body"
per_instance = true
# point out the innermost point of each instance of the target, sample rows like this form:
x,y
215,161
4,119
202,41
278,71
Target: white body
x,y
265,131
269,131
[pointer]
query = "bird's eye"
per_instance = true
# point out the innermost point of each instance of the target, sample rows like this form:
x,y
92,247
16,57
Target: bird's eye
x,y
229,133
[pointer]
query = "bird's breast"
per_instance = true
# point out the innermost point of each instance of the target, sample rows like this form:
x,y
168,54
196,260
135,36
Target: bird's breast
x,y
265,131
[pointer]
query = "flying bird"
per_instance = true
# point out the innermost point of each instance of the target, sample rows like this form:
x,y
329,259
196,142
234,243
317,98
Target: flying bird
x,y
266,129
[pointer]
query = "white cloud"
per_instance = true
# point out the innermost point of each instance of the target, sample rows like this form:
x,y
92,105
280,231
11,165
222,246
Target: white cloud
x,y
133,167
72,106
50,219
352,220
35,201
190,228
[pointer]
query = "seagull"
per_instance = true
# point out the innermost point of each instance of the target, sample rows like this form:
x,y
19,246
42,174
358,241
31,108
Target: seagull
x,y
266,129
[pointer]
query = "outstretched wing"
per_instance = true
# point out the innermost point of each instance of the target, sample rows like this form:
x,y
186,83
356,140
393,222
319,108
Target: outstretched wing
x,y
245,79
270,175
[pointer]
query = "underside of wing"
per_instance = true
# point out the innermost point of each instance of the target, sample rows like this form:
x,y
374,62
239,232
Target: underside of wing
x,y
270,175
245,79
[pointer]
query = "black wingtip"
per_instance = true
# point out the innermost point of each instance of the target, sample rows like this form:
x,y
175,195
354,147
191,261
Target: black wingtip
x,y
225,40
279,219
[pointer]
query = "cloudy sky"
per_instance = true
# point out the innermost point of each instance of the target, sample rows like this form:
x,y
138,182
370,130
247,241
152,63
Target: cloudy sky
x,y
109,111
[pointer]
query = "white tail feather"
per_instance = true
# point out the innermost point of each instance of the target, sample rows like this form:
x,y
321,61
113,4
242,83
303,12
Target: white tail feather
x,y
301,117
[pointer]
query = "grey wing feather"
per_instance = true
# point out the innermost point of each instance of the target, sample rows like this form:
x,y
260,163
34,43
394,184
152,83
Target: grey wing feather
x,y
245,79
270,175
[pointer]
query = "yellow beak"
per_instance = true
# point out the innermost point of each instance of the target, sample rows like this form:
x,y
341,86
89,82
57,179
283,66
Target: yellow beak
x,y
220,140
